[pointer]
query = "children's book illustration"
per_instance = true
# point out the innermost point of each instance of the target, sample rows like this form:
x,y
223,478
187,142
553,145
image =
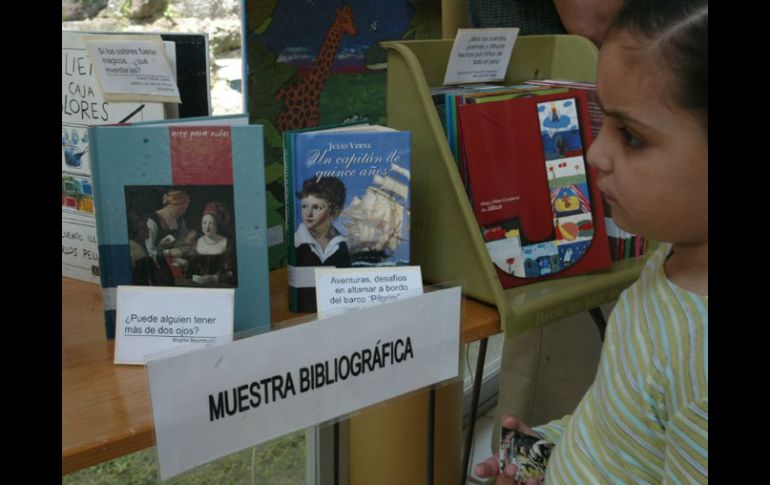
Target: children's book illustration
x,y
530,188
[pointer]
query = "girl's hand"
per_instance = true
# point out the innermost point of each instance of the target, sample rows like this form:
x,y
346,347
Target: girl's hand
x,y
491,466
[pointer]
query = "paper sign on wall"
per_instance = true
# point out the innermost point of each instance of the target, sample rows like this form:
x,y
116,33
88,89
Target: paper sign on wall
x,y
480,55
152,319
132,69
347,289
219,400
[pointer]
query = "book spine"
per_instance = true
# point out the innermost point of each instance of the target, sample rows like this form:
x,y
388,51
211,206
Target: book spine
x,y
289,188
105,264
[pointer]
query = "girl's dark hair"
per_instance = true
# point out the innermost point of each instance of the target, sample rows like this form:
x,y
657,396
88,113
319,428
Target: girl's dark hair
x,y
331,189
680,27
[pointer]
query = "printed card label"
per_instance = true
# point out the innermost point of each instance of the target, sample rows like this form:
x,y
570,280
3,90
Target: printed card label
x,y
153,319
346,289
132,70
480,55
210,403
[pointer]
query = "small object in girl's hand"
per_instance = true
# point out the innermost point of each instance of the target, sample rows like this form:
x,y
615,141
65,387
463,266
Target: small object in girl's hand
x,y
529,453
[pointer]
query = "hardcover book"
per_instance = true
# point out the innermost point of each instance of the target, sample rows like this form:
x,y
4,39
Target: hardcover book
x,y
183,205
532,192
347,203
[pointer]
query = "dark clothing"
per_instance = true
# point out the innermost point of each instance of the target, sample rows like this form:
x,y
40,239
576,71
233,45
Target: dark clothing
x,y
532,17
306,257
223,265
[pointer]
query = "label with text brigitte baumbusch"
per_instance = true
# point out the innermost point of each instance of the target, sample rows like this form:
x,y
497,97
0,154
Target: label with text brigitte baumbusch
x,y
153,319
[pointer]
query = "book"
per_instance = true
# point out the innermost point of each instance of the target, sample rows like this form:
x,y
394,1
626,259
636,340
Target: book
x,y
320,68
347,202
183,205
534,196
83,105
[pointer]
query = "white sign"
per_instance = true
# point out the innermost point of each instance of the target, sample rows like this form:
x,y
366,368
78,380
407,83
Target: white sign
x,y
132,70
348,289
480,55
152,319
219,400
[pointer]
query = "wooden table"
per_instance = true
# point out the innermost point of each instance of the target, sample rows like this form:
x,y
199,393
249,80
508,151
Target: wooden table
x,y
106,407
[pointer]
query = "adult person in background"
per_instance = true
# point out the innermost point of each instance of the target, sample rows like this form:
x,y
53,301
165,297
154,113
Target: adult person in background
x,y
589,18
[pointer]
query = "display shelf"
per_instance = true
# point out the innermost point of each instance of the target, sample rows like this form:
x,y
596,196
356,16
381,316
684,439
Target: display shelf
x,y
446,241
106,407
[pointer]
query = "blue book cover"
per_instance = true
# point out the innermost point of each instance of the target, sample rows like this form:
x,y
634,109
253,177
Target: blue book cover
x,y
183,205
347,203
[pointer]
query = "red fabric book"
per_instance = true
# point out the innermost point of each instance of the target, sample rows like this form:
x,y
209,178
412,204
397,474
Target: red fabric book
x,y
532,191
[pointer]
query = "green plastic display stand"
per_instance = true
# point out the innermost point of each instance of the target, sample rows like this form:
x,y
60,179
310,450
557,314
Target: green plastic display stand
x,y
446,241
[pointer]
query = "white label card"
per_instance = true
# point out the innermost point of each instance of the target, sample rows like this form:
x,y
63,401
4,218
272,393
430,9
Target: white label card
x,y
132,70
480,55
219,400
152,319
346,289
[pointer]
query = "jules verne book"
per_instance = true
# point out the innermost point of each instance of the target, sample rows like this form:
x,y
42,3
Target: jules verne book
x,y
183,205
347,203
534,196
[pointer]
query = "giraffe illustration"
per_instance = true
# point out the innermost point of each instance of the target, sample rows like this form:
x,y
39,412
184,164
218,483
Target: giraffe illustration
x,y
301,99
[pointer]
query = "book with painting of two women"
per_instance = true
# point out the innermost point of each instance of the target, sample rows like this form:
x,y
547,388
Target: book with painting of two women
x,y
182,204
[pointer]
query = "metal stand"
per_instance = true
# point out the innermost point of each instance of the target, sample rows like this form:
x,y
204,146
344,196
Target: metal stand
x,y
474,407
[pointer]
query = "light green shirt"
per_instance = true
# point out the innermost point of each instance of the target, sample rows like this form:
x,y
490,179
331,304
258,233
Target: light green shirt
x,y
645,417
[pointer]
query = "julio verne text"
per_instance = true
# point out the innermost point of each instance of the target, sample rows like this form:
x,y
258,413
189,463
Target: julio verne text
x,y
342,160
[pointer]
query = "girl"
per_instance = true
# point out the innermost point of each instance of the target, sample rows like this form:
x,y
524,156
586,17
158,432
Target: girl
x,y
645,418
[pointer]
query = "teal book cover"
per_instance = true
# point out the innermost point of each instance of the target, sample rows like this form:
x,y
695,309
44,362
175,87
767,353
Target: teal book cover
x,y
347,199
183,205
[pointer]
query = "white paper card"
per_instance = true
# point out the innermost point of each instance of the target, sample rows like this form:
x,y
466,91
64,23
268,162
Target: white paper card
x,y
219,400
347,289
152,319
480,55
135,70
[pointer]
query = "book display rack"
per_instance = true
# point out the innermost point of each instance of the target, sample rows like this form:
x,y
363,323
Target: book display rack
x,y
446,242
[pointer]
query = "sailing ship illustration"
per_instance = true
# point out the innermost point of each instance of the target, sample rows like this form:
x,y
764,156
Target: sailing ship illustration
x,y
378,222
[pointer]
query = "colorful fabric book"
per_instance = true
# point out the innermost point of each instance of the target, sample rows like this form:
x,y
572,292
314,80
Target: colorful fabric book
x,y
532,192
183,205
347,202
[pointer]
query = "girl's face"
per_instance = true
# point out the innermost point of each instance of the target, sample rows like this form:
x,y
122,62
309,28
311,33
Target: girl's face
x,y
651,154
209,225
315,212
